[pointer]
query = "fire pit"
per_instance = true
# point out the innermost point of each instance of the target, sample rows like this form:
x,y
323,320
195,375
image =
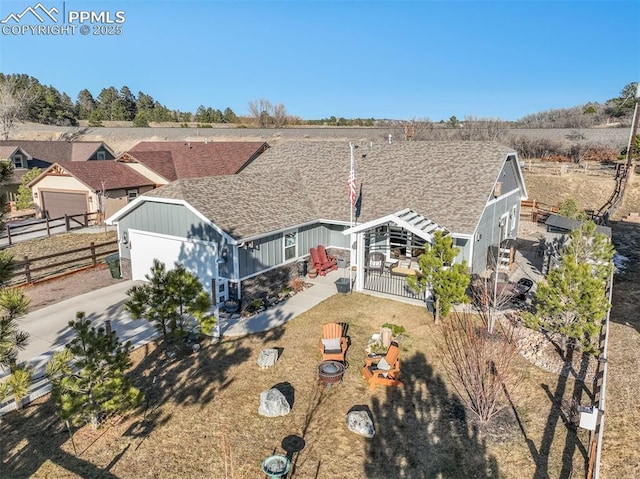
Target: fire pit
x,y
330,372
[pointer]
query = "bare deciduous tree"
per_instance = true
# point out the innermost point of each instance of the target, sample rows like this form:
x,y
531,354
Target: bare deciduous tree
x,y
268,114
102,196
14,104
481,366
279,115
491,295
262,111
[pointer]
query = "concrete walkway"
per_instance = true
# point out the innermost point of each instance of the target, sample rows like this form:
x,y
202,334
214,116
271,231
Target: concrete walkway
x,y
323,287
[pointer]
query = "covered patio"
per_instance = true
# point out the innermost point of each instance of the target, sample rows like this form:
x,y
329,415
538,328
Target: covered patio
x,y
387,249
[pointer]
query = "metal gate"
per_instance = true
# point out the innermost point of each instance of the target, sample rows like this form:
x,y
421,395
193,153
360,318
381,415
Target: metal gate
x,y
389,283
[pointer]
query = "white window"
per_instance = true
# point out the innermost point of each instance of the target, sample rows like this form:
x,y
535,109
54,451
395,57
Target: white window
x,y
101,155
18,161
290,245
503,224
132,194
514,212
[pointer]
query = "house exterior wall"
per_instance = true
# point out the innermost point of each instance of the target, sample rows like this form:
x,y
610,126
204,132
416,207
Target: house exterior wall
x,y
335,238
266,253
506,206
168,219
117,199
310,237
464,245
508,176
107,154
488,230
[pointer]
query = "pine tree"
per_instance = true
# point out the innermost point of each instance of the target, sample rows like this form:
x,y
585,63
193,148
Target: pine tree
x,y
188,296
168,299
230,116
13,305
16,385
573,301
85,104
448,281
88,376
6,170
25,196
585,245
569,209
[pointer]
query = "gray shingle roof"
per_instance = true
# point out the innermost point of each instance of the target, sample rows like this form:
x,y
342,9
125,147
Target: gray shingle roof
x,y
296,182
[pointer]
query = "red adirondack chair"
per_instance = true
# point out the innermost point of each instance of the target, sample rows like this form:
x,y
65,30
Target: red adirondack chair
x,y
326,259
320,266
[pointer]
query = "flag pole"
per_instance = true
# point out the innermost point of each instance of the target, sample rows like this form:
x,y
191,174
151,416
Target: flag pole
x,y
352,183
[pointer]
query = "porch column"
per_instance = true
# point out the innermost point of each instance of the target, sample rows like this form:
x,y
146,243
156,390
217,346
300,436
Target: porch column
x,y
360,262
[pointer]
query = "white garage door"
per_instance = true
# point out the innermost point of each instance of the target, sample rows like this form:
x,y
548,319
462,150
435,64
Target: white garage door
x,y
198,257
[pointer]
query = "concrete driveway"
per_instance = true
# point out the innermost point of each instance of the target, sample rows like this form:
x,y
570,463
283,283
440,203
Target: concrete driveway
x,y
49,326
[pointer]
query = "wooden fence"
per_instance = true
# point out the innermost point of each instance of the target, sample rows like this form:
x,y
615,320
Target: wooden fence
x,y
31,270
70,222
533,210
559,168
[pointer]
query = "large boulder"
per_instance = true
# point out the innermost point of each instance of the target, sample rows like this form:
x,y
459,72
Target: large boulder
x,y
267,358
273,404
360,422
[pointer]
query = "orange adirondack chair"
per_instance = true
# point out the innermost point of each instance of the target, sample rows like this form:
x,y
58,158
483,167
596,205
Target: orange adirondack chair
x,y
316,261
326,259
333,345
384,373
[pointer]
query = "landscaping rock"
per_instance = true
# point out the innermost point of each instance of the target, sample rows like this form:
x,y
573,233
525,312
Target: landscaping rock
x,y
267,358
360,422
273,404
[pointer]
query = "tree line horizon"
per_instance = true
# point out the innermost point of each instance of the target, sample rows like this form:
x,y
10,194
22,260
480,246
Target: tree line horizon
x,y
48,106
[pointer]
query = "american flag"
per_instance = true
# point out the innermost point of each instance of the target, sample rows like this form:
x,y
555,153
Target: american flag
x,y
351,184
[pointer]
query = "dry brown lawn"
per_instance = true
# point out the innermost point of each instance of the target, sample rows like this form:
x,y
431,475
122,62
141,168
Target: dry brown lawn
x,y
202,413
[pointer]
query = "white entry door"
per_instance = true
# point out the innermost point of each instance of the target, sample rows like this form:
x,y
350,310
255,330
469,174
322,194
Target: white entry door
x,y
199,257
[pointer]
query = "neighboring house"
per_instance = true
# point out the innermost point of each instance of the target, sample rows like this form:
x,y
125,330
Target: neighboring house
x,y
558,229
28,154
73,188
166,161
294,197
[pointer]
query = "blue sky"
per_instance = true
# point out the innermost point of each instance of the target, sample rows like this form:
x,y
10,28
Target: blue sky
x,y
382,59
